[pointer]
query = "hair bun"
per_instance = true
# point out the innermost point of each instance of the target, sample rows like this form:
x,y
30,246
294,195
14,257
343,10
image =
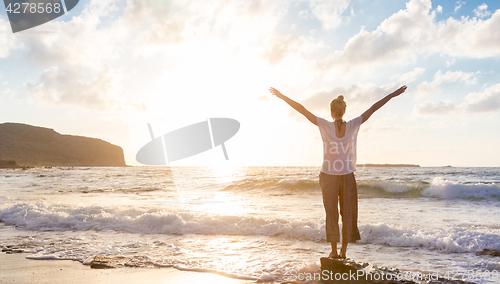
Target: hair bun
x,y
338,105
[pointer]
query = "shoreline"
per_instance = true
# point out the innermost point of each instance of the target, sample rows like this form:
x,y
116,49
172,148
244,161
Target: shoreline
x,y
17,268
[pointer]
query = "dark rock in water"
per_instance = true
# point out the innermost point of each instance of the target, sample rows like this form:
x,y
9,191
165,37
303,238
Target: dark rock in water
x,y
8,164
103,262
38,146
351,272
98,265
12,250
490,252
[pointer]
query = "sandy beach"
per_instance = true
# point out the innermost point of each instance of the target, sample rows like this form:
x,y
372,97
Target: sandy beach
x,y
15,268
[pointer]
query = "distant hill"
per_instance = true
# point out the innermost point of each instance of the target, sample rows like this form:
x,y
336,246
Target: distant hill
x,y
29,145
389,165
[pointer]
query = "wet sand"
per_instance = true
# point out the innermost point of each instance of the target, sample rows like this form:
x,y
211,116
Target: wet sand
x,y
15,268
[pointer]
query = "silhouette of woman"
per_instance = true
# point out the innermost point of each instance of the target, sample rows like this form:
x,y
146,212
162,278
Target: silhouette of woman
x,y
336,178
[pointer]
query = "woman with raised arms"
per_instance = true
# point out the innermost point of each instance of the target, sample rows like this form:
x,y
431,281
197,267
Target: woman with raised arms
x,y
336,178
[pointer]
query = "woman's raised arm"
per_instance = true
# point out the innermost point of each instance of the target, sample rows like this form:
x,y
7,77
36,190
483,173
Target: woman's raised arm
x,y
295,105
382,102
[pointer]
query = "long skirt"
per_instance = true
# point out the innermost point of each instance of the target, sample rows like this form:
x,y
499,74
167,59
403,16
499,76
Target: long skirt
x,y
340,189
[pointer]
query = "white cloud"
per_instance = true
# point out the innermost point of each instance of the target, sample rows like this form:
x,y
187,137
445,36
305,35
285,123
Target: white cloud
x,y
358,95
408,77
459,5
390,42
282,46
241,21
93,88
487,101
426,87
103,31
304,14
82,40
329,12
415,31
428,108
482,102
482,11
146,38
154,21
439,9
8,41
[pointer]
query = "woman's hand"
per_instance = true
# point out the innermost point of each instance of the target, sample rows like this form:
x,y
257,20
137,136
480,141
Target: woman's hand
x,y
399,91
276,93
295,105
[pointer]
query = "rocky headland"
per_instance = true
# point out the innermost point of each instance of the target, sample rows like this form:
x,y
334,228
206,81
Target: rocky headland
x,y
23,145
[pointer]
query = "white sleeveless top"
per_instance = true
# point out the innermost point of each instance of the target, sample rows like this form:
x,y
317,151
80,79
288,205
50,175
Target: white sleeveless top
x,y
339,154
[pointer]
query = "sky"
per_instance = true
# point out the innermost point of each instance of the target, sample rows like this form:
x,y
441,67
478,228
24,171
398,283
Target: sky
x,y
108,68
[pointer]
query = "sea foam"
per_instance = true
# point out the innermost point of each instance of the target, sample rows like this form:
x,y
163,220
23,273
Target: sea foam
x,y
449,240
446,189
44,217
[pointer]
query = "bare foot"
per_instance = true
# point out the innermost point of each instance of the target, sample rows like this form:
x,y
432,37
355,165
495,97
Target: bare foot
x,y
333,254
343,250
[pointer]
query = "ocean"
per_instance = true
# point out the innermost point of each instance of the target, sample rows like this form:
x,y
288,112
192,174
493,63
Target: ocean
x,y
253,222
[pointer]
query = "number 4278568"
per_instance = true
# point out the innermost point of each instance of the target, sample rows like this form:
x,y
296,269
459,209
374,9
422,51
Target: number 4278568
x,y
33,8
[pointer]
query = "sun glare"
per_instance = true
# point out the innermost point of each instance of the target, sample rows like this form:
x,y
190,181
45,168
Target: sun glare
x,y
226,173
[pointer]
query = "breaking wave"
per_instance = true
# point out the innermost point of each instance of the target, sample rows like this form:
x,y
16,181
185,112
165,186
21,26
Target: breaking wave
x,y
41,217
437,188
